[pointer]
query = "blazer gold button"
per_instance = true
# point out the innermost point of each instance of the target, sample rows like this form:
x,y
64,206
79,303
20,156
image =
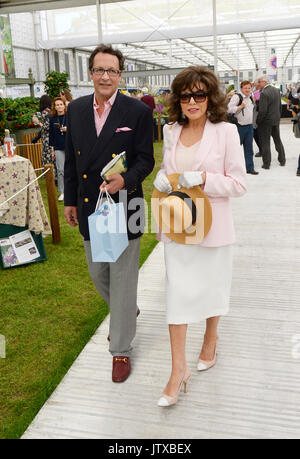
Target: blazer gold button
x,y
78,152
86,199
113,155
84,176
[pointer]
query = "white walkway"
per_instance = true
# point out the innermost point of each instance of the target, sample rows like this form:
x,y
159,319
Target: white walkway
x,y
254,389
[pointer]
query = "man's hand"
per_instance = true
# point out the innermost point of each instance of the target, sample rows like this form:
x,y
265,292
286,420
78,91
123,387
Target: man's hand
x,y
70,214
243,105
116,183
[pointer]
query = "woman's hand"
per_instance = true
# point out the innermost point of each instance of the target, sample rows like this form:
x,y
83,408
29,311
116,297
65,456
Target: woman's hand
x,y
192,178
53,154
63,128
161,183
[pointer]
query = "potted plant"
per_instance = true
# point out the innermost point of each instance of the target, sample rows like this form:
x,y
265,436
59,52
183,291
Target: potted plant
x,y
55,82
17,116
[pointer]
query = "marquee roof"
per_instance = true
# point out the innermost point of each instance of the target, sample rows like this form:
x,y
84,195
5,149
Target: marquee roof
x,y
176,33
21,6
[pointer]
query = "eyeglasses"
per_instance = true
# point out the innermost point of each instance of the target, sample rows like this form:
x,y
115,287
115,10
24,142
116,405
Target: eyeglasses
x,y
197,96
99,71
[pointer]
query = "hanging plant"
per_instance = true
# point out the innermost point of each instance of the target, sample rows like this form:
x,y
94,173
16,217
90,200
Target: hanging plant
x,y
55,82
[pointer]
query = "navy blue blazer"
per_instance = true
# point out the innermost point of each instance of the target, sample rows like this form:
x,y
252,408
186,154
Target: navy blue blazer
x,y
87,154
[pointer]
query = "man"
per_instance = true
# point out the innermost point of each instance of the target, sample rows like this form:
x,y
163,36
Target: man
x,y
256,97
268,119
99,126
148,99
241,105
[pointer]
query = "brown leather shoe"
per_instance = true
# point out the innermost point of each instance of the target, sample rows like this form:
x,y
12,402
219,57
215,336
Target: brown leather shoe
x,y
137,314
121,368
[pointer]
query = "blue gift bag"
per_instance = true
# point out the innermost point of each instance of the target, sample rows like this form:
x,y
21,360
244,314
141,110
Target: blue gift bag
x,y
108,230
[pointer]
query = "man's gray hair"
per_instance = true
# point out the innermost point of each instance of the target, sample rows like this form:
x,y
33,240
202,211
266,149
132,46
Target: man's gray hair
x,y
264,78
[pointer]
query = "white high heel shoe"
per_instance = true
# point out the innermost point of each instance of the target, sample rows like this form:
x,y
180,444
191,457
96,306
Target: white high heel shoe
x,y
167,400
206,364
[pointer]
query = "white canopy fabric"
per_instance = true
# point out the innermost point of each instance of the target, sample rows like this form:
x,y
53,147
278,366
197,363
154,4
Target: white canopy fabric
x,y
176,33
22,6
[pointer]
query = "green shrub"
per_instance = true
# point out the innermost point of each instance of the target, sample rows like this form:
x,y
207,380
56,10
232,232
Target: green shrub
x,y
2,119
55,82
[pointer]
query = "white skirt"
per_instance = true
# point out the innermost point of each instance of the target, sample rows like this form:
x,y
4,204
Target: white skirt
x,y
198,282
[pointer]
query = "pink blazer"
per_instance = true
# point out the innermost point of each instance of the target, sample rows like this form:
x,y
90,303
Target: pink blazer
x,y
221,156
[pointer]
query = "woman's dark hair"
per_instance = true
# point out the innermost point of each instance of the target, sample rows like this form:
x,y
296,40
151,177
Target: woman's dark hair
x,y
189,79
107,49
45,102
53,109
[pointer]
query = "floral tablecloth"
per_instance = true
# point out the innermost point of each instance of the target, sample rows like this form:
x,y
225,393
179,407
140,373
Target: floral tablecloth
x,y
27,208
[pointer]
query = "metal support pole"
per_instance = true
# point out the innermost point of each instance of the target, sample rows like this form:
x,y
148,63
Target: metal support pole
x,y
170,53
99,23
215,37
266,51
238,60
36,23
76,67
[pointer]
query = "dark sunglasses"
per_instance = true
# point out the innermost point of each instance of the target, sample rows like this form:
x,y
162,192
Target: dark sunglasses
x,y
197,96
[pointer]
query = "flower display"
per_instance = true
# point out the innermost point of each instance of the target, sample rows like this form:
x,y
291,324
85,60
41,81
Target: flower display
x,y
18,112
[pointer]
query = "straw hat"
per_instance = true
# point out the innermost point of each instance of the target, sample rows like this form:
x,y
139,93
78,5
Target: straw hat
x,y
184,215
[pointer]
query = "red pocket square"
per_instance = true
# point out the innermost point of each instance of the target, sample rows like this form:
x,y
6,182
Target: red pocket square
x,y
123,129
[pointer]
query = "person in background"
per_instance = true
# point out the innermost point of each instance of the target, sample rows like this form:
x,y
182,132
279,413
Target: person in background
x,y
44,123
66,96
148,99
134,94
57,140
256,97
296,129
268,121
293,102
241,105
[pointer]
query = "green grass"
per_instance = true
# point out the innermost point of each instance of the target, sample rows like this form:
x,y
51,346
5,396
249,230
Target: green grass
x,y
49,311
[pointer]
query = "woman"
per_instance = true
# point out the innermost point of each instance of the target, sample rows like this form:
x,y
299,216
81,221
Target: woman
x,y
45,109
66,96
57,140
206,151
